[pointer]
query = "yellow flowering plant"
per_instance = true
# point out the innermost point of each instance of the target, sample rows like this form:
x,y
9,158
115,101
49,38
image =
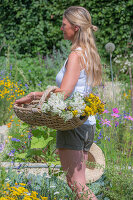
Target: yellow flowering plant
x,y
93,105
9,91
19,192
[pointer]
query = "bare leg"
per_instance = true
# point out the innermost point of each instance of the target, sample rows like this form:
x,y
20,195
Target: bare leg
x,y
74,163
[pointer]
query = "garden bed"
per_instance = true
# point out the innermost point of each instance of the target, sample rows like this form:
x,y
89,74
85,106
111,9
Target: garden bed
x,y
35,146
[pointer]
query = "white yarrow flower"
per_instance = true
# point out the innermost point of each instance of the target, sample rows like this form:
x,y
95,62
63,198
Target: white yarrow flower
x,y
57,105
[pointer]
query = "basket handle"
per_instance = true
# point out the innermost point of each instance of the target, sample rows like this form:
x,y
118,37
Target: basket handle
x,y
46,93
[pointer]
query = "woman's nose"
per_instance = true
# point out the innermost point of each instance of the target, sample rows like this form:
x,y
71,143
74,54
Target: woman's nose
x,y
61,28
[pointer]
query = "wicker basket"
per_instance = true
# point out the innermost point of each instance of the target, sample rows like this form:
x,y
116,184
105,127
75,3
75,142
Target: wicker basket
x,y
32,114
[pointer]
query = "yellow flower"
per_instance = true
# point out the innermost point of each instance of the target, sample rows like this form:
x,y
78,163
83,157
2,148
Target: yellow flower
x,y
14,198
69,107
34,193
87,109
23,184
27,198
44,198
7,185
124,94
127,97
9,125
75,112
15,193
9,137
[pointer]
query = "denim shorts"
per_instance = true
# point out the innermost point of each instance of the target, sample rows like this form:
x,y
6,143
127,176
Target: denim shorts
x,y
80,138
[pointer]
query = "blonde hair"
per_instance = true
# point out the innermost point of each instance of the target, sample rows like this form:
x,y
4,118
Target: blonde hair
x,y
84,38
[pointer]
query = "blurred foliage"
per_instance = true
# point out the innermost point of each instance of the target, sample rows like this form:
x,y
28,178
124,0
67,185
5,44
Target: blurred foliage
x,y
32,26
33,73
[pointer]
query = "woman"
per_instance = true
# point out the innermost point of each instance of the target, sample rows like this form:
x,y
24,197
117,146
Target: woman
x,y
81,71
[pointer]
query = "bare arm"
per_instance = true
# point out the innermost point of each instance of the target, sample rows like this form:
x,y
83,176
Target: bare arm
x,y
71,75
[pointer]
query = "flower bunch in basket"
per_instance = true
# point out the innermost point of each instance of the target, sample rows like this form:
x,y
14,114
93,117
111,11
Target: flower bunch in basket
x,y
76,106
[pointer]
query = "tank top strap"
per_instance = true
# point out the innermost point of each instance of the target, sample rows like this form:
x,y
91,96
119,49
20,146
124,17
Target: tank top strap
x,y
82,57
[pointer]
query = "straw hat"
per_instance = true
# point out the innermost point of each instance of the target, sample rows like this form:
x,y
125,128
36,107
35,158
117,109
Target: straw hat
x,y
95,165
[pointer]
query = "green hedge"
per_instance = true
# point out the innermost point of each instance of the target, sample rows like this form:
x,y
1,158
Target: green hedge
x,y
32,26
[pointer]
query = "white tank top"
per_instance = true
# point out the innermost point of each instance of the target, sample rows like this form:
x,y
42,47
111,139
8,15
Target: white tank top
x,y
81,86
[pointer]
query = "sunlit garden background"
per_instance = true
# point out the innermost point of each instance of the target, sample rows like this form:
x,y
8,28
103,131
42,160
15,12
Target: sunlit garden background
x,y
32,51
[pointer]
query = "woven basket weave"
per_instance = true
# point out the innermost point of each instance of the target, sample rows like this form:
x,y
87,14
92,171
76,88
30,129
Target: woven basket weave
x,y
32,114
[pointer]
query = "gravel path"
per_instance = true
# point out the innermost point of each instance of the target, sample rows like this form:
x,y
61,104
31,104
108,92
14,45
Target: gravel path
x,y
31,168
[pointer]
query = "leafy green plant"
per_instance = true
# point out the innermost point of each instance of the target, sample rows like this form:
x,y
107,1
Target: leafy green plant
x,y
117,183
29,144
3,175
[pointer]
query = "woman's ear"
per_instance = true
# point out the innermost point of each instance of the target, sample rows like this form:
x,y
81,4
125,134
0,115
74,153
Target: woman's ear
x,y
76,28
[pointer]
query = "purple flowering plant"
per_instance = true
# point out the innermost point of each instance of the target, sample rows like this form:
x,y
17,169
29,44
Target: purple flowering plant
x,y
113,125
115,110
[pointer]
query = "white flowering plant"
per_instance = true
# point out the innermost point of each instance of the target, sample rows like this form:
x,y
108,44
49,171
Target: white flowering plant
x,y
76,106
123,62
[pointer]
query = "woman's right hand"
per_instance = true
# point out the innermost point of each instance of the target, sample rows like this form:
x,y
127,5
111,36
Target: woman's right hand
x,y
26,99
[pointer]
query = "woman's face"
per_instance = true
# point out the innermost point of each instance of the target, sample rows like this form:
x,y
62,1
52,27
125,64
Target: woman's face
x,y
68,29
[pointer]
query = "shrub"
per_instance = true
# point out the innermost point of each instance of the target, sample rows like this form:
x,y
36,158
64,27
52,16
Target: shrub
x,y
34,26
